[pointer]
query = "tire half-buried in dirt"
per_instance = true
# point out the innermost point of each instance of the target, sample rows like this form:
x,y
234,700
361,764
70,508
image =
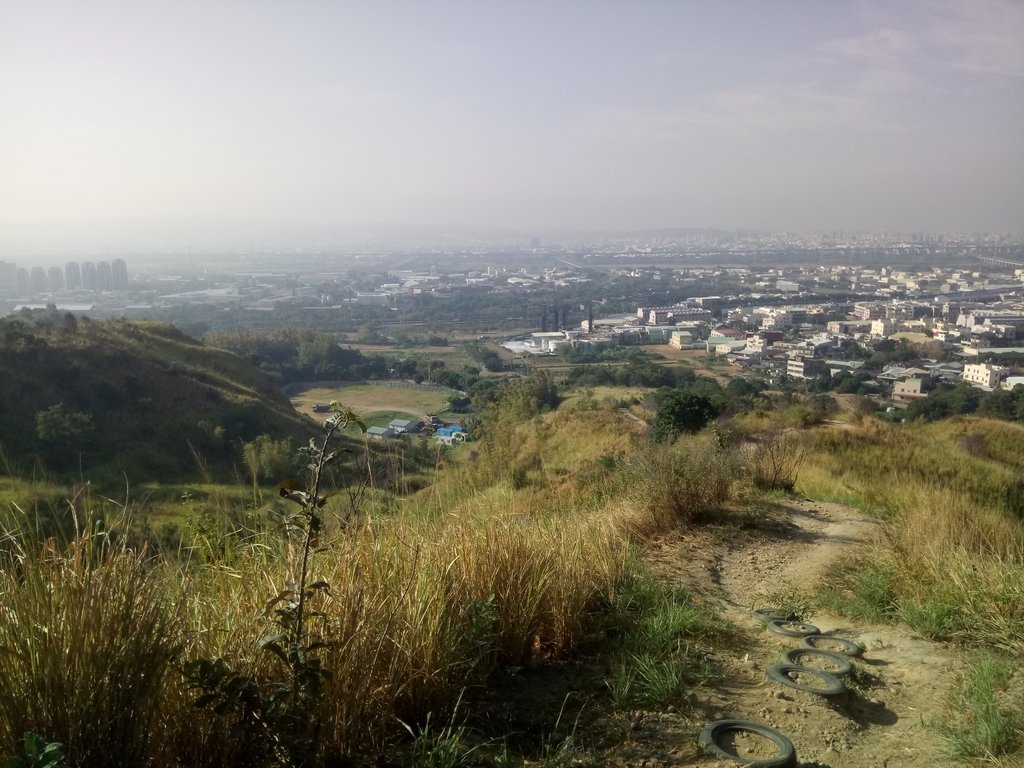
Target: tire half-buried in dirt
x,y
833,644
713,734
840,665
791,628
829,686
764,615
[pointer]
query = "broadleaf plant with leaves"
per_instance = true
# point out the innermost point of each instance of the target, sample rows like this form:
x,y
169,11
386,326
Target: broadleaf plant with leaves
x,y
278,717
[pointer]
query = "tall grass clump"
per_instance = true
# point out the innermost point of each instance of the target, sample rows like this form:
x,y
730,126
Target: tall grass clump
x,y
667,485
86,640
775,459
418,610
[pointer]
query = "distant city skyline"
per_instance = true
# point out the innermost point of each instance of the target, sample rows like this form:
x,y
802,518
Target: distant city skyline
x,y
161,125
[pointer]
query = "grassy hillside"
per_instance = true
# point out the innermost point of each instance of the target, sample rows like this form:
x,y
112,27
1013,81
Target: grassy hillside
x,y
952,560
134,397
515,559
522,553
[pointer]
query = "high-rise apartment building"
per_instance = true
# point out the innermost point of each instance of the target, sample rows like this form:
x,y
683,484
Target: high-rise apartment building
x,y
104,277
55,279
89,276
119,272
73,275
39,283
23,283
8,277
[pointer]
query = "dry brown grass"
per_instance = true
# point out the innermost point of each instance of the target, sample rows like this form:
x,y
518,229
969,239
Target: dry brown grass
x,y
422,603
86,640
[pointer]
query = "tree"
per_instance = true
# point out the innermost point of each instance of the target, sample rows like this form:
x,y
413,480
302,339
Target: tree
x,y
682,411
63,434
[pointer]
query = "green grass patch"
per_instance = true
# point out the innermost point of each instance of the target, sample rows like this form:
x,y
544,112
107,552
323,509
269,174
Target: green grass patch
x,y
860,589
934,617
371,401
662,636
988,721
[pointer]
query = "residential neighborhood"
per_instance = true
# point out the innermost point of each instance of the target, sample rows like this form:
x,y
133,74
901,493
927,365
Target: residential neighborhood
x,y
901,333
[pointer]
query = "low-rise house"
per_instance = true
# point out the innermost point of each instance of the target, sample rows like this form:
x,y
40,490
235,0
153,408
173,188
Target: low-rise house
x,y
380,433
909,388
883,327
759,342
950,371
406,426
722,341
450,435
894,373
680,339
659,334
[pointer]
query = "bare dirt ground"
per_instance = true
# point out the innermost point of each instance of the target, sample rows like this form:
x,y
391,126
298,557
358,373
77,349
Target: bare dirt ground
x,y
902,681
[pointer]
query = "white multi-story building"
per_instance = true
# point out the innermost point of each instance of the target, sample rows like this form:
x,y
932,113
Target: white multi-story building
x,y
985,375
883,327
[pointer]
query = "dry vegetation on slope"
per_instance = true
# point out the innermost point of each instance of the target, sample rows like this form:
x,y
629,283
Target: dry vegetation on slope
x,y
520,555
421,605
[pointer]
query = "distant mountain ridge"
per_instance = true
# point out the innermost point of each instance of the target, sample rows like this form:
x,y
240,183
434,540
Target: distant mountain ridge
x,y
139,398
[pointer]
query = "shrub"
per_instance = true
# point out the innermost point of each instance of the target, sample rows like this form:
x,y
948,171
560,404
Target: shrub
x,y
775,460
682,411
666,485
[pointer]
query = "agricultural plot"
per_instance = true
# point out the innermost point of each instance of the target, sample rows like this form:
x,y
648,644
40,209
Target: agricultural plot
x,y
698,360
454,355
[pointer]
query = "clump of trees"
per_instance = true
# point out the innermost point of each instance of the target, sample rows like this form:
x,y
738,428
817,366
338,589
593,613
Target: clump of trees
x,y
947,400
294,355
700,400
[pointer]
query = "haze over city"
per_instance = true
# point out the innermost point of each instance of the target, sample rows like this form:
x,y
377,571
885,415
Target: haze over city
x,y
217,125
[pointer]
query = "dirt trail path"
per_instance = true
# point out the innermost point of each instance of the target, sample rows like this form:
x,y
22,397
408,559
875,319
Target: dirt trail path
x,y
903,679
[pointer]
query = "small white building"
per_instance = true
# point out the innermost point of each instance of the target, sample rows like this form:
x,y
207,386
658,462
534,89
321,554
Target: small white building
x,y
680,339
549,341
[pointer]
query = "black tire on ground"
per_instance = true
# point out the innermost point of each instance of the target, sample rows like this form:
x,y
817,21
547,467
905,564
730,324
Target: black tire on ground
x,y
833,644
764,615
842,665
713,732
791,628
831,686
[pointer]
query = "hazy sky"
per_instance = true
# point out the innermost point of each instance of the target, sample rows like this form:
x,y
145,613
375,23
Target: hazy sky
x,y
804,116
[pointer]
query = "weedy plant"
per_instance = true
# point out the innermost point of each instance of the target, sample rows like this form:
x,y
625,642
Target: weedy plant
x,y
279,716
39,753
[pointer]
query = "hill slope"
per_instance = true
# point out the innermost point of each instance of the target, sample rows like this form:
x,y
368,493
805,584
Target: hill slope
x,y
153,398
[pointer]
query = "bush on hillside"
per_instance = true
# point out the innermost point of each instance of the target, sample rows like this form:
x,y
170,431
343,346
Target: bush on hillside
x,y
775,460
682,411
674,483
